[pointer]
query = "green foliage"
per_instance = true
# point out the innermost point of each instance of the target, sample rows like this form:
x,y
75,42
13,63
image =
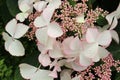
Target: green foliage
x,y
17,75
5,71
72,2
12,7
101,21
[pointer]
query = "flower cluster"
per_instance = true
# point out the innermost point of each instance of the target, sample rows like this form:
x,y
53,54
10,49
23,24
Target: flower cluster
x,y
66,36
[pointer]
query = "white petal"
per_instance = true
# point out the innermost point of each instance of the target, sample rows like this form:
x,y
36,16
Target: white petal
x,y
54,30
104,38
54,4
91,35
21,29
76,78
21,16
53,74
96,58
114,23
50,43
118,12
16,48
80,19
110,17
39,6
56,52
102,52
40,22
42,74
65,75
42,36
77,67
66,47
11,27
44,59
90,50
27,70
84,61
30,72
7,43
6,37
24,5
47,14
115,36
75,44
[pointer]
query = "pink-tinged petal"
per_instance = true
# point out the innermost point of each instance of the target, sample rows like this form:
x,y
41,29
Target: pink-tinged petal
x,y
84,61
39,6
47,14
71,59
53,74
90,50
104,38
91,35
44,59
75,44
66,42
102,52
114,23
77,67
53,63
21,29
56,52
42,38
11,27
54,30
115,36
66,48
42,48
40,22
54,4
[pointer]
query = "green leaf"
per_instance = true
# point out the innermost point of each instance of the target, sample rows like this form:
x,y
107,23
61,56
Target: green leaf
x,y
5,16
101,21
13,7
72,2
